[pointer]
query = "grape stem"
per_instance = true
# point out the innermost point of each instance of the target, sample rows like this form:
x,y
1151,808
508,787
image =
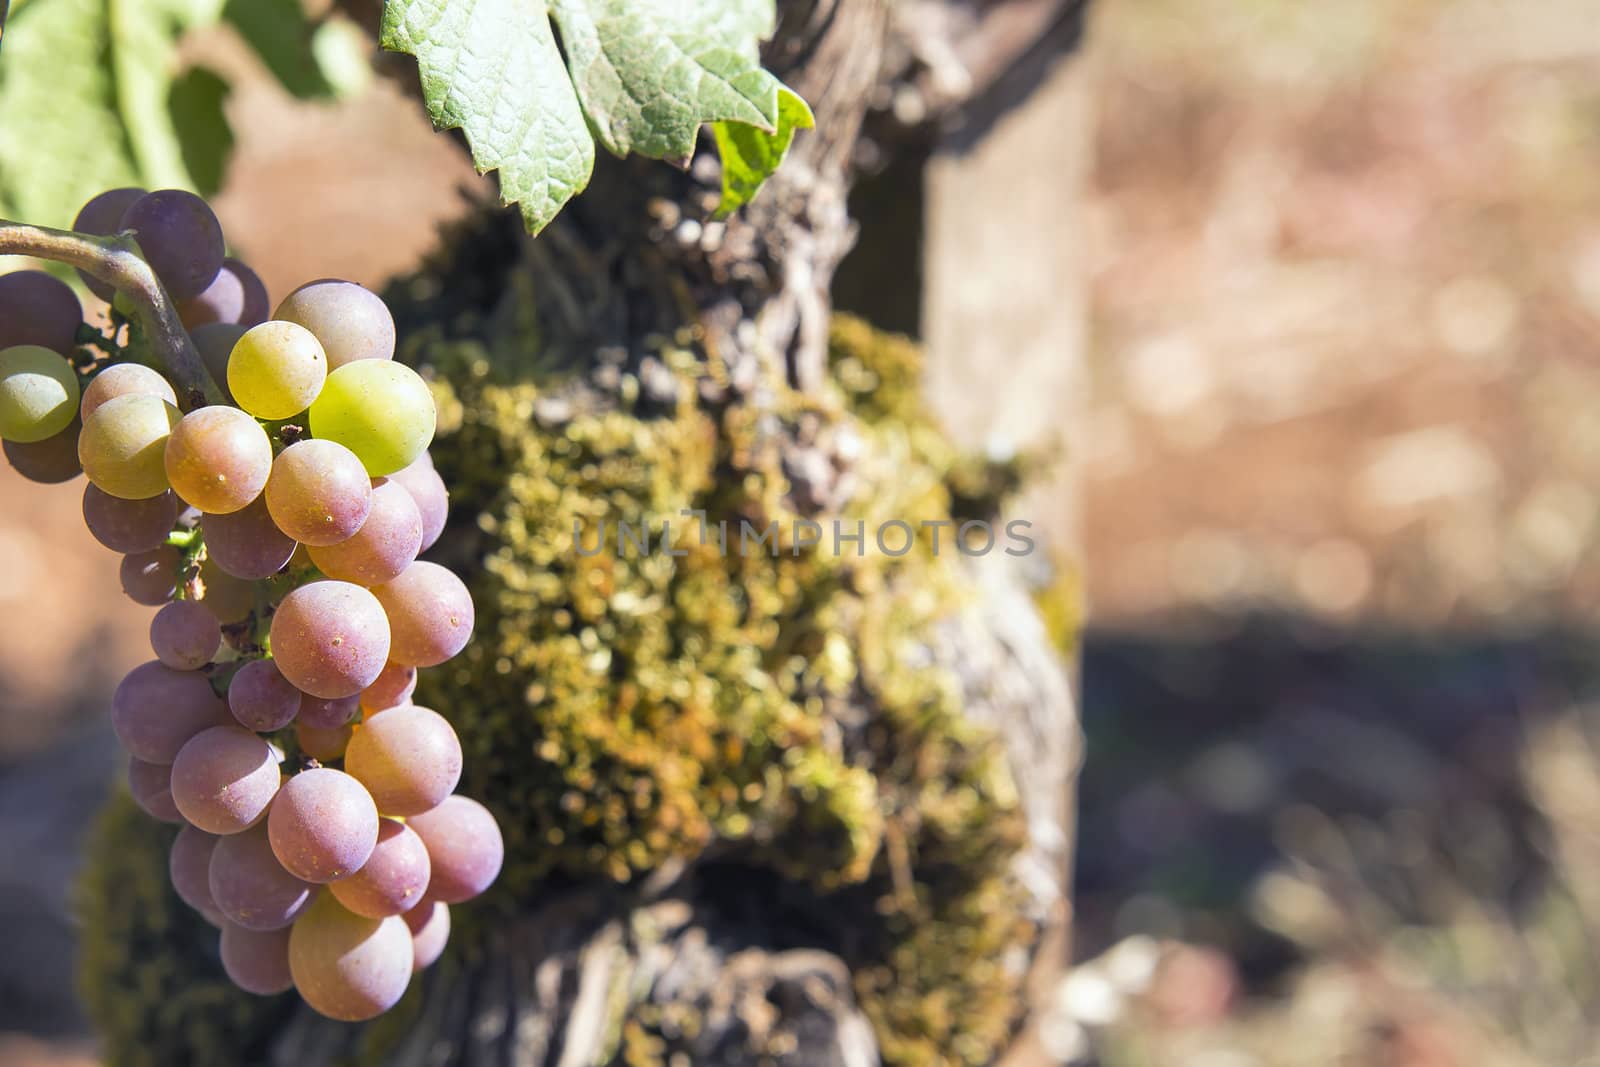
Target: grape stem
x,y
116,261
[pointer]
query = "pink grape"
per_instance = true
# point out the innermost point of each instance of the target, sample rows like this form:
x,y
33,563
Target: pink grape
x,y
328,714
408,758
180,238
224,779
323,825
386,544
430,614
102,217
247,543
38,309
189,866
393,687
124,379
49,462
429,923
257,961
156,710
261,698
351,322
346,966
319,493
324,744
250,886
151,578
185,635
393,879
218,459
331,639
130,526
429,494
464,845
151,786
236,296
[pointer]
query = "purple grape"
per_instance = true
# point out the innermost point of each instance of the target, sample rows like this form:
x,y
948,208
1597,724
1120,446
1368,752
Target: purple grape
x,y
319,492
250,886
386,544
261,698
331,639
180,238
185,635
156,710
322,714
392,688
38,309
394,877
49,462
189,866
101,217
215,344
247,543
351,322
225,596
323,825
224,779
408,758
428,492
130,526
235,297
257,961
323,744
151,786
429,923
430,614
464,845
348,967
151,578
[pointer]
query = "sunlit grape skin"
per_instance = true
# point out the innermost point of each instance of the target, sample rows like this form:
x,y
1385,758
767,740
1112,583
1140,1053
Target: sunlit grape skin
x,y
464,845
351,322
250,886
430,614
331,639
323,825
261,698
189,867
380,410
224,779
429,494
39,309
394,877
257,961
123,379
319,493
408,758
218,459
185,636
346,966
180,238
130,526
123,445
156,709
429,923
150,784
386,544
276,370
38,394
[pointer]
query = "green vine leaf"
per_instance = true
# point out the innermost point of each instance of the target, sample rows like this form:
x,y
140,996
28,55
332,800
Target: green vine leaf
x,y
639,76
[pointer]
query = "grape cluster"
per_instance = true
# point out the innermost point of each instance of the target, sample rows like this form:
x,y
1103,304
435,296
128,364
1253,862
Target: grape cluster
x,y
278,536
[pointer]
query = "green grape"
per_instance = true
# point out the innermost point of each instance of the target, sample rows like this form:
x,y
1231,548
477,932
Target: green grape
x,y
123,445
218,459
276,370
38,393
380,410
351,322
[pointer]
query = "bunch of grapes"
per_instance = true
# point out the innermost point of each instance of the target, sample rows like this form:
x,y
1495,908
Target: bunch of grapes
x,y
278,535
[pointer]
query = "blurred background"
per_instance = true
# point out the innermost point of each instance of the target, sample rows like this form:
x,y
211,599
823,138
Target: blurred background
x,y
1341,491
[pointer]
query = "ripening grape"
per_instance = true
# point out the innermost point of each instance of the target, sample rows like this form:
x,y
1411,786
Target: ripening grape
x,y
408,758
39,309
392,688
394,877
323,825
429,923
430,614
224,779
385,545
331,639
351,322
250,886
276,370
380,410
257,961
325,744
218,459
322,714
122,379
151,787
189,866
261,698
247,543
130,526
319,493
464,845
225,596
215,343
428,492
49,462
38,393
123,445
156,710
101,217
151,578
180,237
348,967
235,296
185,635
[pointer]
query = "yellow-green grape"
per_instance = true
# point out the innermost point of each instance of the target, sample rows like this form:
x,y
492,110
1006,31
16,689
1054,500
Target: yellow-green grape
x,y
38,393
123,445
276,370
380,410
